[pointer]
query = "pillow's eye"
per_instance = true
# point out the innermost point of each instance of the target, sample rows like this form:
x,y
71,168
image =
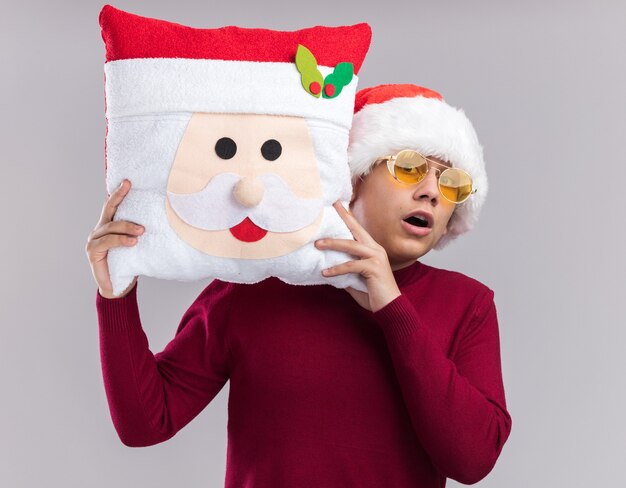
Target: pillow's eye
x,y
225,148
271,149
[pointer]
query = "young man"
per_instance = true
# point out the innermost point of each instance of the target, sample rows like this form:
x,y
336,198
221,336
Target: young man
x,y
400,386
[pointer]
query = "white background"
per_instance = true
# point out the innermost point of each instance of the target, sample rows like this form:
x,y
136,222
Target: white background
x,y
544,84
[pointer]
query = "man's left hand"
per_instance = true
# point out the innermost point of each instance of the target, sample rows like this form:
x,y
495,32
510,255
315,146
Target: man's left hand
x,y
373,264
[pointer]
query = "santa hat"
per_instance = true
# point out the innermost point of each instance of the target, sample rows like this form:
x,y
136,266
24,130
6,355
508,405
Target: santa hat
x,y
389,118
153,66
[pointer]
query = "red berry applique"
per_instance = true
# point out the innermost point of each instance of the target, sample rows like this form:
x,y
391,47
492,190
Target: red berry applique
x,y
315,88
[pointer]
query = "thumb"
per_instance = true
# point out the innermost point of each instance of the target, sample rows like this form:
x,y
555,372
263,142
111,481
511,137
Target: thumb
x,y
362,298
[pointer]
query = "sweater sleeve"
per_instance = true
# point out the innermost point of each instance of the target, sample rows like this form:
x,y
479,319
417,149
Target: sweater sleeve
x,y
457,406
152,396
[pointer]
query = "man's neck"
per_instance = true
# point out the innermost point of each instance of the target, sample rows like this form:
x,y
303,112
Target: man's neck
x,y
398,266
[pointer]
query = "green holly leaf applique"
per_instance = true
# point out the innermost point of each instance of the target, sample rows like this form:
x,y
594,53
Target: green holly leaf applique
x,y
310,77
335,81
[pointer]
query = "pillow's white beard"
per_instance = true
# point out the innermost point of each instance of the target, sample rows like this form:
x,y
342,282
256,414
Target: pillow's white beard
x,y
161,253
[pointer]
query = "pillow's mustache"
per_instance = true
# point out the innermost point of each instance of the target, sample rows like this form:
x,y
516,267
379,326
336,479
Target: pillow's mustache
x,y
215,207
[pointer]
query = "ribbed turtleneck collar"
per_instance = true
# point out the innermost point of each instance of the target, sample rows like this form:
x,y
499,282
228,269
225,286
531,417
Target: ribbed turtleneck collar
x,y
409,274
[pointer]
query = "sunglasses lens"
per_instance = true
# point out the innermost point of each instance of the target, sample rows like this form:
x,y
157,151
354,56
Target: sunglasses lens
x,y
410,167
455,185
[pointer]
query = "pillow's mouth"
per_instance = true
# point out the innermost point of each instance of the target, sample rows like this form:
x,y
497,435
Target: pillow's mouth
x,y
247,231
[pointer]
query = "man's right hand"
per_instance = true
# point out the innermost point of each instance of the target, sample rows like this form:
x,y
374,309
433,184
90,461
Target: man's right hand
x,y
108,234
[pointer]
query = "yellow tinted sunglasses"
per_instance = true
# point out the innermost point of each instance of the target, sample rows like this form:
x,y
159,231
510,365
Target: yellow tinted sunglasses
x,y
410,167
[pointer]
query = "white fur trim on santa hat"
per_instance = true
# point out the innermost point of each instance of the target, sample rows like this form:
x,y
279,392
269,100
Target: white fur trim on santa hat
x,y
431,127
153,85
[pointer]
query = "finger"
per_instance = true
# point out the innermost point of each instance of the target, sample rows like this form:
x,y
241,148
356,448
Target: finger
x,y
111,204
117,227
356,293
109,241
358,232
349,246
361,297
349,267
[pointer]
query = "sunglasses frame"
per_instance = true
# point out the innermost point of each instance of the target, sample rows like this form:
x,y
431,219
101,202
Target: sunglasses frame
x,y
391,162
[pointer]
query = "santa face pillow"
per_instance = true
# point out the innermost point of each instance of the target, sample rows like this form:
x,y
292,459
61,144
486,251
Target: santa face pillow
x,y
235,142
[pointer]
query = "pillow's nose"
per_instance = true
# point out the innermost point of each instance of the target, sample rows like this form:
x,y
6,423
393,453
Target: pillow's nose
x,y
249,191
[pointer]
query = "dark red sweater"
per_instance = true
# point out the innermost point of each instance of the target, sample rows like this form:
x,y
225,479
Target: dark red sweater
x,y
323,393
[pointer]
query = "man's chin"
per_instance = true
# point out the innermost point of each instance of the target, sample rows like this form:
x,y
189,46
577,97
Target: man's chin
x,y
413,247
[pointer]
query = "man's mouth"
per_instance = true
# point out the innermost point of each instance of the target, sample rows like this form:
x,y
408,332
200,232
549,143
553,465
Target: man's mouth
x,y
417,221
247,231
420,223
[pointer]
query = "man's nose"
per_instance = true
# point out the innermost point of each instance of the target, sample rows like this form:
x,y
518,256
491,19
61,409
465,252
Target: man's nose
x,y
428,187
249,191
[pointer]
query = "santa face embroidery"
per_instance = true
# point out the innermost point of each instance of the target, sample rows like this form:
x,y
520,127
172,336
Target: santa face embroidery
x,y
245,185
